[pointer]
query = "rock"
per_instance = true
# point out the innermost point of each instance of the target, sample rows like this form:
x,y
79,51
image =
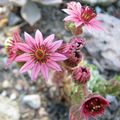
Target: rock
x,y
102,2
9,110
6,84
42,112
4,93
4,2
98,9
113,103
103,45
13,19
13,96
116,116
49,2
32,101
19,2
106,116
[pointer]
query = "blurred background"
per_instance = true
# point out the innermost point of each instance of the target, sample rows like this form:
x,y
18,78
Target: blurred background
x,y
21,99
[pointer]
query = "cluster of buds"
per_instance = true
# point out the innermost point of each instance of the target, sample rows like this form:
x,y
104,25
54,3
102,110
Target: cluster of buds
x,y
78,17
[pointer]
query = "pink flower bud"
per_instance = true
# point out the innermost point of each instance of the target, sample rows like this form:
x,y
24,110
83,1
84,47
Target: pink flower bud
x,y
74,52
81,75
74,59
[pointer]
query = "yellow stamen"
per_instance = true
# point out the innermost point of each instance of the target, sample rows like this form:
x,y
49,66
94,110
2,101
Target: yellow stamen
x,y
39,54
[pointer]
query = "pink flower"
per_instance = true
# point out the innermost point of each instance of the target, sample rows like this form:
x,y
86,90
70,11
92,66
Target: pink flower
x,y
81,15
93,106
81,75
12,49
39,54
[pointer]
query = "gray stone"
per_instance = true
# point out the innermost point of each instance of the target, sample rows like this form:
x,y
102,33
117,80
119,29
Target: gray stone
x,y
32,101
6,84
9,110
103,2
13,19
103,45
113,103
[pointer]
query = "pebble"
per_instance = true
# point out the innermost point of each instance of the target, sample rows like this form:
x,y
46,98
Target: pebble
x,y
6,84
113,103
9,110
4,93
13,96
102,2
42,112
32,101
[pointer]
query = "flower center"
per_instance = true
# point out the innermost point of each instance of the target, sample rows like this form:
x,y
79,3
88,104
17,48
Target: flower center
x,y
87,14
40,54
94,106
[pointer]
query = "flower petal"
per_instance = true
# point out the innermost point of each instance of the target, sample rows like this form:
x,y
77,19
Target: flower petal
x,y
23,57
57,57
35,71
29,39
68,11
16,37
28,65
55,45
69,18
49,39
39,37
23,47
44,71
53,65
79,23
78,5
94,24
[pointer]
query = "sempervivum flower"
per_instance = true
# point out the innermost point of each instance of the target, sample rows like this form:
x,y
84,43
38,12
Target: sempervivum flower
x,y
11,47
81,75
93,106
81,15
39,54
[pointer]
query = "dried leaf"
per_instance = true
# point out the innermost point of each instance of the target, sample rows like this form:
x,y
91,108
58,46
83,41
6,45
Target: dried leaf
x,y
31,13
49,2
